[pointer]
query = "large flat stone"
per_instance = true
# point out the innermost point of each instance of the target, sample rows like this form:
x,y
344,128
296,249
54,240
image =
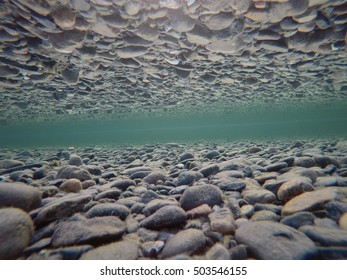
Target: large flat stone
x,y
273,241
311,201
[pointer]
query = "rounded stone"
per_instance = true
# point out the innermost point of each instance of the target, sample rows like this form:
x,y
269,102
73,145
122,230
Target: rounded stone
x,y
75,160
15,232
71,185
109,209
311,201
187,242
274,241
292,188
69,172
166,216
19,195
198,195
188,177
258,196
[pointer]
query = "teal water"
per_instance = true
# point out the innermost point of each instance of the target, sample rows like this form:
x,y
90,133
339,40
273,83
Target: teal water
x,y
256,123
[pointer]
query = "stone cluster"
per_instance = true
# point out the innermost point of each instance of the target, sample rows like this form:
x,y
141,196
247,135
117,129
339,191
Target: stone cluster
x,y
246,200
79,57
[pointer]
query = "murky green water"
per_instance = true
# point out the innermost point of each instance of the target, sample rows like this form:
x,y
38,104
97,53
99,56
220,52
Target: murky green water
x,y
256,123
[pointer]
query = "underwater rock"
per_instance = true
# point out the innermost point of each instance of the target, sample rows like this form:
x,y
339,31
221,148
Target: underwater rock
x,y
270,240
71,185
96,230
187,241
166,216
19,195
121,250
198,195
108,209
15,232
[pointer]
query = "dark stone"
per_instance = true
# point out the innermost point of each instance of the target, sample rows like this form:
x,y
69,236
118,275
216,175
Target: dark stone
x,y
238,252
276,166
212,154
122,184
188,177
209,170
70,253
166,216
186,156
197,195
326,236
332,253
156,204
109,209
336,209
299,219
113,194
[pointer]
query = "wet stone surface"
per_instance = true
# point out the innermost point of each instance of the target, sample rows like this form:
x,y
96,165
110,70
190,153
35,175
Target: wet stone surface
x,y
284,213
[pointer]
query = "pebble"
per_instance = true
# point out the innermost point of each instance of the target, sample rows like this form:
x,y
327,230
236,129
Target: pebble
x,y
273,241
325,236
16,231
264,215
61,208
209,170
258,196
108,209
98,230
152,249
154,177
200,211
292,188
122,184
112,193
222,220
19,195
71,185
188,242
198,195
156,204
310,201
75,160
73,172
298,219
217,252
121,250
167,216
188,177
